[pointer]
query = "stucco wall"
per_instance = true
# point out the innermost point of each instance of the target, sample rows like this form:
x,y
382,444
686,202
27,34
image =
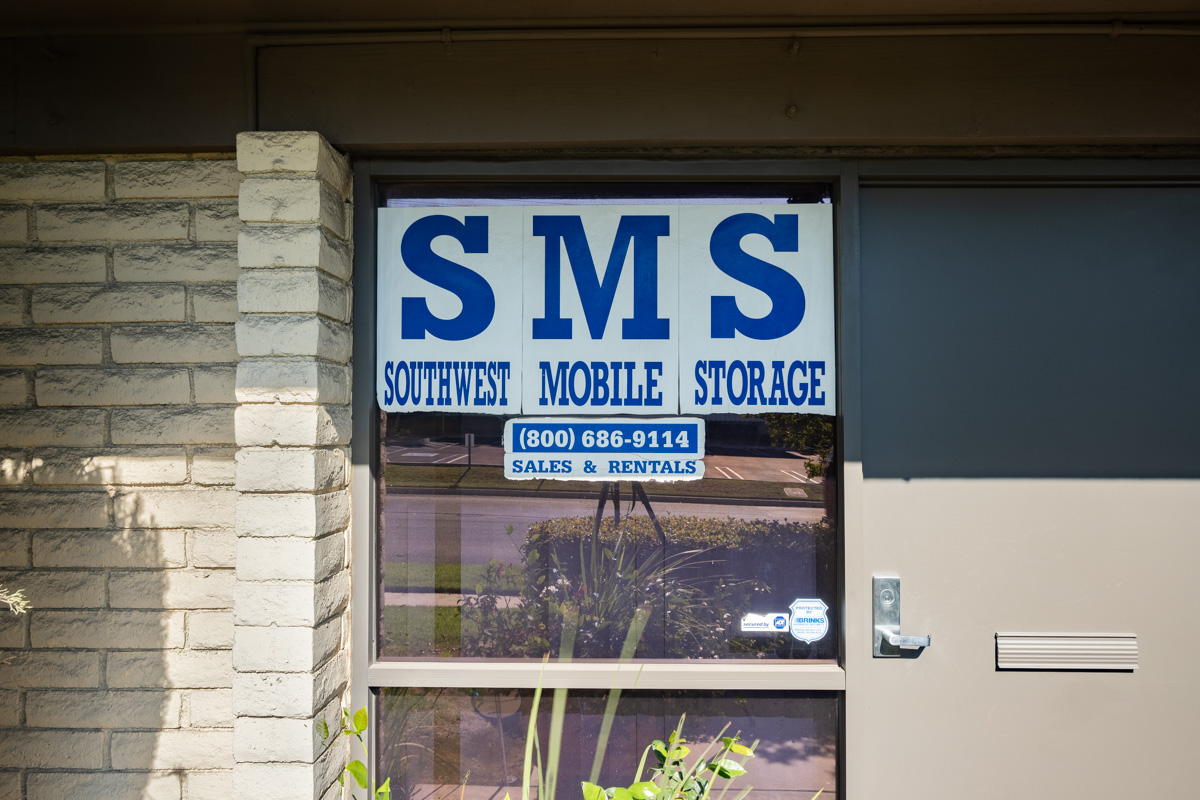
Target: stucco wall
x,y
117,349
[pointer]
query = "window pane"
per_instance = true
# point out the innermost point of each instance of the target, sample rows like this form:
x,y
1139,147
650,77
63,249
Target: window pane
x,y
452,743
474,565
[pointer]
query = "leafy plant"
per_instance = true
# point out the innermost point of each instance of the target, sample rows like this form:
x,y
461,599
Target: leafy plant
x,y
673,779
354,726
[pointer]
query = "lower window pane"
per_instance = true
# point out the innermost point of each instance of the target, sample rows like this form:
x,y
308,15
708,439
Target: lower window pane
x,y
451,743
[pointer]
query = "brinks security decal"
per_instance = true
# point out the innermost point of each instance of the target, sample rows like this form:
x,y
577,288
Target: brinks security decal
x,y
646,310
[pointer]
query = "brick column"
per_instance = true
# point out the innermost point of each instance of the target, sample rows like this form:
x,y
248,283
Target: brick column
x,y
293,429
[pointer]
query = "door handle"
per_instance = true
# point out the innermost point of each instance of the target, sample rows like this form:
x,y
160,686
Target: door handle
x,y
886,604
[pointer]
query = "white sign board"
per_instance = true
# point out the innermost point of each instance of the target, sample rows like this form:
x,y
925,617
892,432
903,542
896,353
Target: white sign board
x,y
604,448
571,310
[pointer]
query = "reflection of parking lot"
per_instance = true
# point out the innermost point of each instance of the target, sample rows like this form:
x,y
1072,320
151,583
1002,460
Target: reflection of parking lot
x,y
735,464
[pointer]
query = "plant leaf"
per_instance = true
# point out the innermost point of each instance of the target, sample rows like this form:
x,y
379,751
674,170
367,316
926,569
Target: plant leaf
x,y
741,750
621,794
384,792
323,729
727,768
359,770
360,720
593,792
643,790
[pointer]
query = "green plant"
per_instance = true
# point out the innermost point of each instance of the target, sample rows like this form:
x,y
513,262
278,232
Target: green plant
x,y
673,779
354,726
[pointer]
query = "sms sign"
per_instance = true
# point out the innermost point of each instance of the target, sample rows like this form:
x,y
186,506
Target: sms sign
x,y
645,310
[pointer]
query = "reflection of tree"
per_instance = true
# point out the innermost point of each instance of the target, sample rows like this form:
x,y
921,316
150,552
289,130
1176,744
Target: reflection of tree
x,y
811,434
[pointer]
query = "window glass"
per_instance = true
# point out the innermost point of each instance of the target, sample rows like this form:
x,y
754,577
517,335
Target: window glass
x,y
470,744
478,566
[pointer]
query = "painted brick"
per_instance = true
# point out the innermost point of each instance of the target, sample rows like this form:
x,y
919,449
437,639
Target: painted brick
x,y
14,387
174,262
47,589
210,630
122,222
57,180
292,381
37,346
213,785
10,709
128,548
290,470
217,222
49,426
293,335
172,426
289,559
104,786
125,303
12,629
14,467
171,589
104,709
215,384
263,739
154,465
261,246
288,199
214,466
174,669
294,781
53,264
214,548
175,508
176,179
290,603
57,749
210,708
289,694
293,290
12,308
111,387
173,344
292,425
301,515
288,151
30,509
14,548
169,749
14,224
30,669
99,630
292,559
217,302
285,649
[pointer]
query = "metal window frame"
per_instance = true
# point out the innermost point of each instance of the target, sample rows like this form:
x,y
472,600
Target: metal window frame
x,y
367,673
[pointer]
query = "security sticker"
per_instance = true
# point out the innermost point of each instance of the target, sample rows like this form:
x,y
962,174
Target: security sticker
x,y
765,623
809,621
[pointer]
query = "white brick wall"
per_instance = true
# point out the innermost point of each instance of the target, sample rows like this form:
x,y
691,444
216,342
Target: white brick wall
x,y
118,351
293,427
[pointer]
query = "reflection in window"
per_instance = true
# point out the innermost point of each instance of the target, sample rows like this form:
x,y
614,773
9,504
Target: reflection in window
x,y
477,566
436,744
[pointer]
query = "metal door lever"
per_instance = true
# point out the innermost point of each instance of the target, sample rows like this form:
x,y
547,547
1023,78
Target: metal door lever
x,y
896,640
886,602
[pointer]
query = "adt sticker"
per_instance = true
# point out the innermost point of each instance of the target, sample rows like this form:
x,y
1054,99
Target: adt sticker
x,y
809,620
765,623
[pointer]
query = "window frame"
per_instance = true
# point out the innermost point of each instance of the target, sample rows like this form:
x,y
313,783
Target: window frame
x,y
368,673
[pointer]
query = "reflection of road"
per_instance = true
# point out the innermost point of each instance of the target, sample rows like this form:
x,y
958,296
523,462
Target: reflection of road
x,y
418,524
740,464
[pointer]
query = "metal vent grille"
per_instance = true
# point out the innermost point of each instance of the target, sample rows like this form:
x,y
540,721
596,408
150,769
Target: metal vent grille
x,y
1056,651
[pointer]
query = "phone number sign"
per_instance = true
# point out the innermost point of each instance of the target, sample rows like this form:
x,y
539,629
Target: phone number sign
x,y
598,448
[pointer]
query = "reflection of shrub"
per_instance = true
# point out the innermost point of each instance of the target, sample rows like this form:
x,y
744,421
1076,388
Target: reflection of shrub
x,y
710,573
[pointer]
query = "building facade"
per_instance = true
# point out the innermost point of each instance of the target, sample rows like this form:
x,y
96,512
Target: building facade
x,y
218,528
